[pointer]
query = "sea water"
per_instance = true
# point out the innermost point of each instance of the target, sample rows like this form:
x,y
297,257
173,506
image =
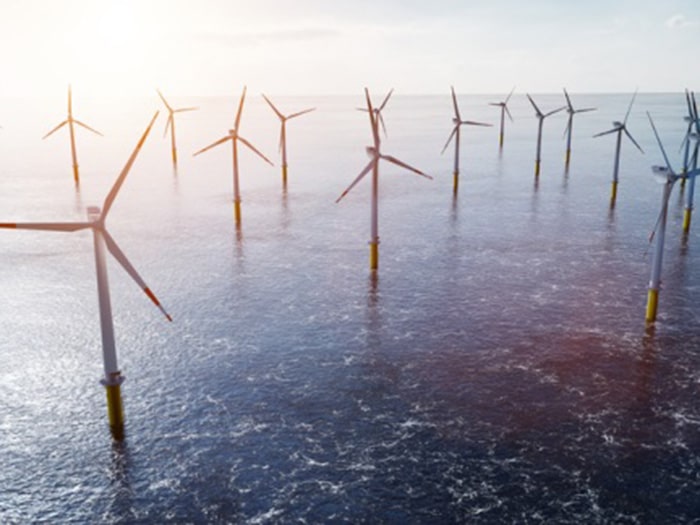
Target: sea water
x,y
497,368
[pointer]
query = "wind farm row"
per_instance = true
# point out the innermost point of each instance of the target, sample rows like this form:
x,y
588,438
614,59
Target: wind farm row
x,y
378,129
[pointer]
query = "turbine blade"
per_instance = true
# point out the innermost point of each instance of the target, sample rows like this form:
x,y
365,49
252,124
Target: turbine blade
x,y
658,140
47,226
474,123
508,112
499,104
554,111
213,145
269,102
629,109
240,109
606,132
125,171
263,157
364,172
568,101
386,99
167,124
634,141
300,113
509,95
537,110
164,101
87,127
180,110
584,110
449,139
454,103
55,129
381,121
121,258
396,161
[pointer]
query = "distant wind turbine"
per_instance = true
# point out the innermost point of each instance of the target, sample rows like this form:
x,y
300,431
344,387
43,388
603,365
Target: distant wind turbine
x,y
540,118
283,134
570,123
96,222
504,110
234,137
373,166
692,134
666,176
378,111
71,121
619,128
458,122
171,124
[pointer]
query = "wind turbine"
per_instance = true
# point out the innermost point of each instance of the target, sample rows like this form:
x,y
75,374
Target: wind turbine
x,y
693,122
619,128
375,155
71,128
378,111
540,117
666,176
283,134
569,126
458,122
171,124
234,137
504,110
96,222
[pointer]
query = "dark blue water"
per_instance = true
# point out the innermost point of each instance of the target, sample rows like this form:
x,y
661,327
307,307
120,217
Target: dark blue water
x,y
497,369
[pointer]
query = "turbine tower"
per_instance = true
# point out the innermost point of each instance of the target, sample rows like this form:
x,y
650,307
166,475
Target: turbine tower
x,y
619,128
375,155
458,123
283,134
71,129
234,137
170,124
570,124
96,222
540,118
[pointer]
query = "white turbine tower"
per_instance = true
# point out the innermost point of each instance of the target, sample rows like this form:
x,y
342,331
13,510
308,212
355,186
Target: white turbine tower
x,y
97,223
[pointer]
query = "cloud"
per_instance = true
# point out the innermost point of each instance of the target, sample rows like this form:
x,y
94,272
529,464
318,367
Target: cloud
x,y
679,21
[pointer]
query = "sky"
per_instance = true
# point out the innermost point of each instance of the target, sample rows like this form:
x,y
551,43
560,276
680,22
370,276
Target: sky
x,y
326,47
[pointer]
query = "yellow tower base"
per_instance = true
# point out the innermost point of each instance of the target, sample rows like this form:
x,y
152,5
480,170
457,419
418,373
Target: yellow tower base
x,y
174,152
568,157
500,140
115,411
686,219
652,305
76,177
237,212
374,255
613,193
284,176
537,168
455,183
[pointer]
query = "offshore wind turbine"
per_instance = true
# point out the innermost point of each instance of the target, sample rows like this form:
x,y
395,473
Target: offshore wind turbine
x,y
540,118
619,128
283,134
378,111
96,222
569,125
693,124
170,124
666,176
374,152
458,122
71,129
504,110
234,137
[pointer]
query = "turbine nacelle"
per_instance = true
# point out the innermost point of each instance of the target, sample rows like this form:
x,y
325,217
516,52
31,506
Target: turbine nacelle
x,y
617,124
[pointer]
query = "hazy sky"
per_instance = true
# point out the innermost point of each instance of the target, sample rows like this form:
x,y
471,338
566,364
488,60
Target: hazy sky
x,y
204,47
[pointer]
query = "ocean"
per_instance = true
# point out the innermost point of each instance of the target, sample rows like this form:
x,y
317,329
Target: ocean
x,y
496,369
